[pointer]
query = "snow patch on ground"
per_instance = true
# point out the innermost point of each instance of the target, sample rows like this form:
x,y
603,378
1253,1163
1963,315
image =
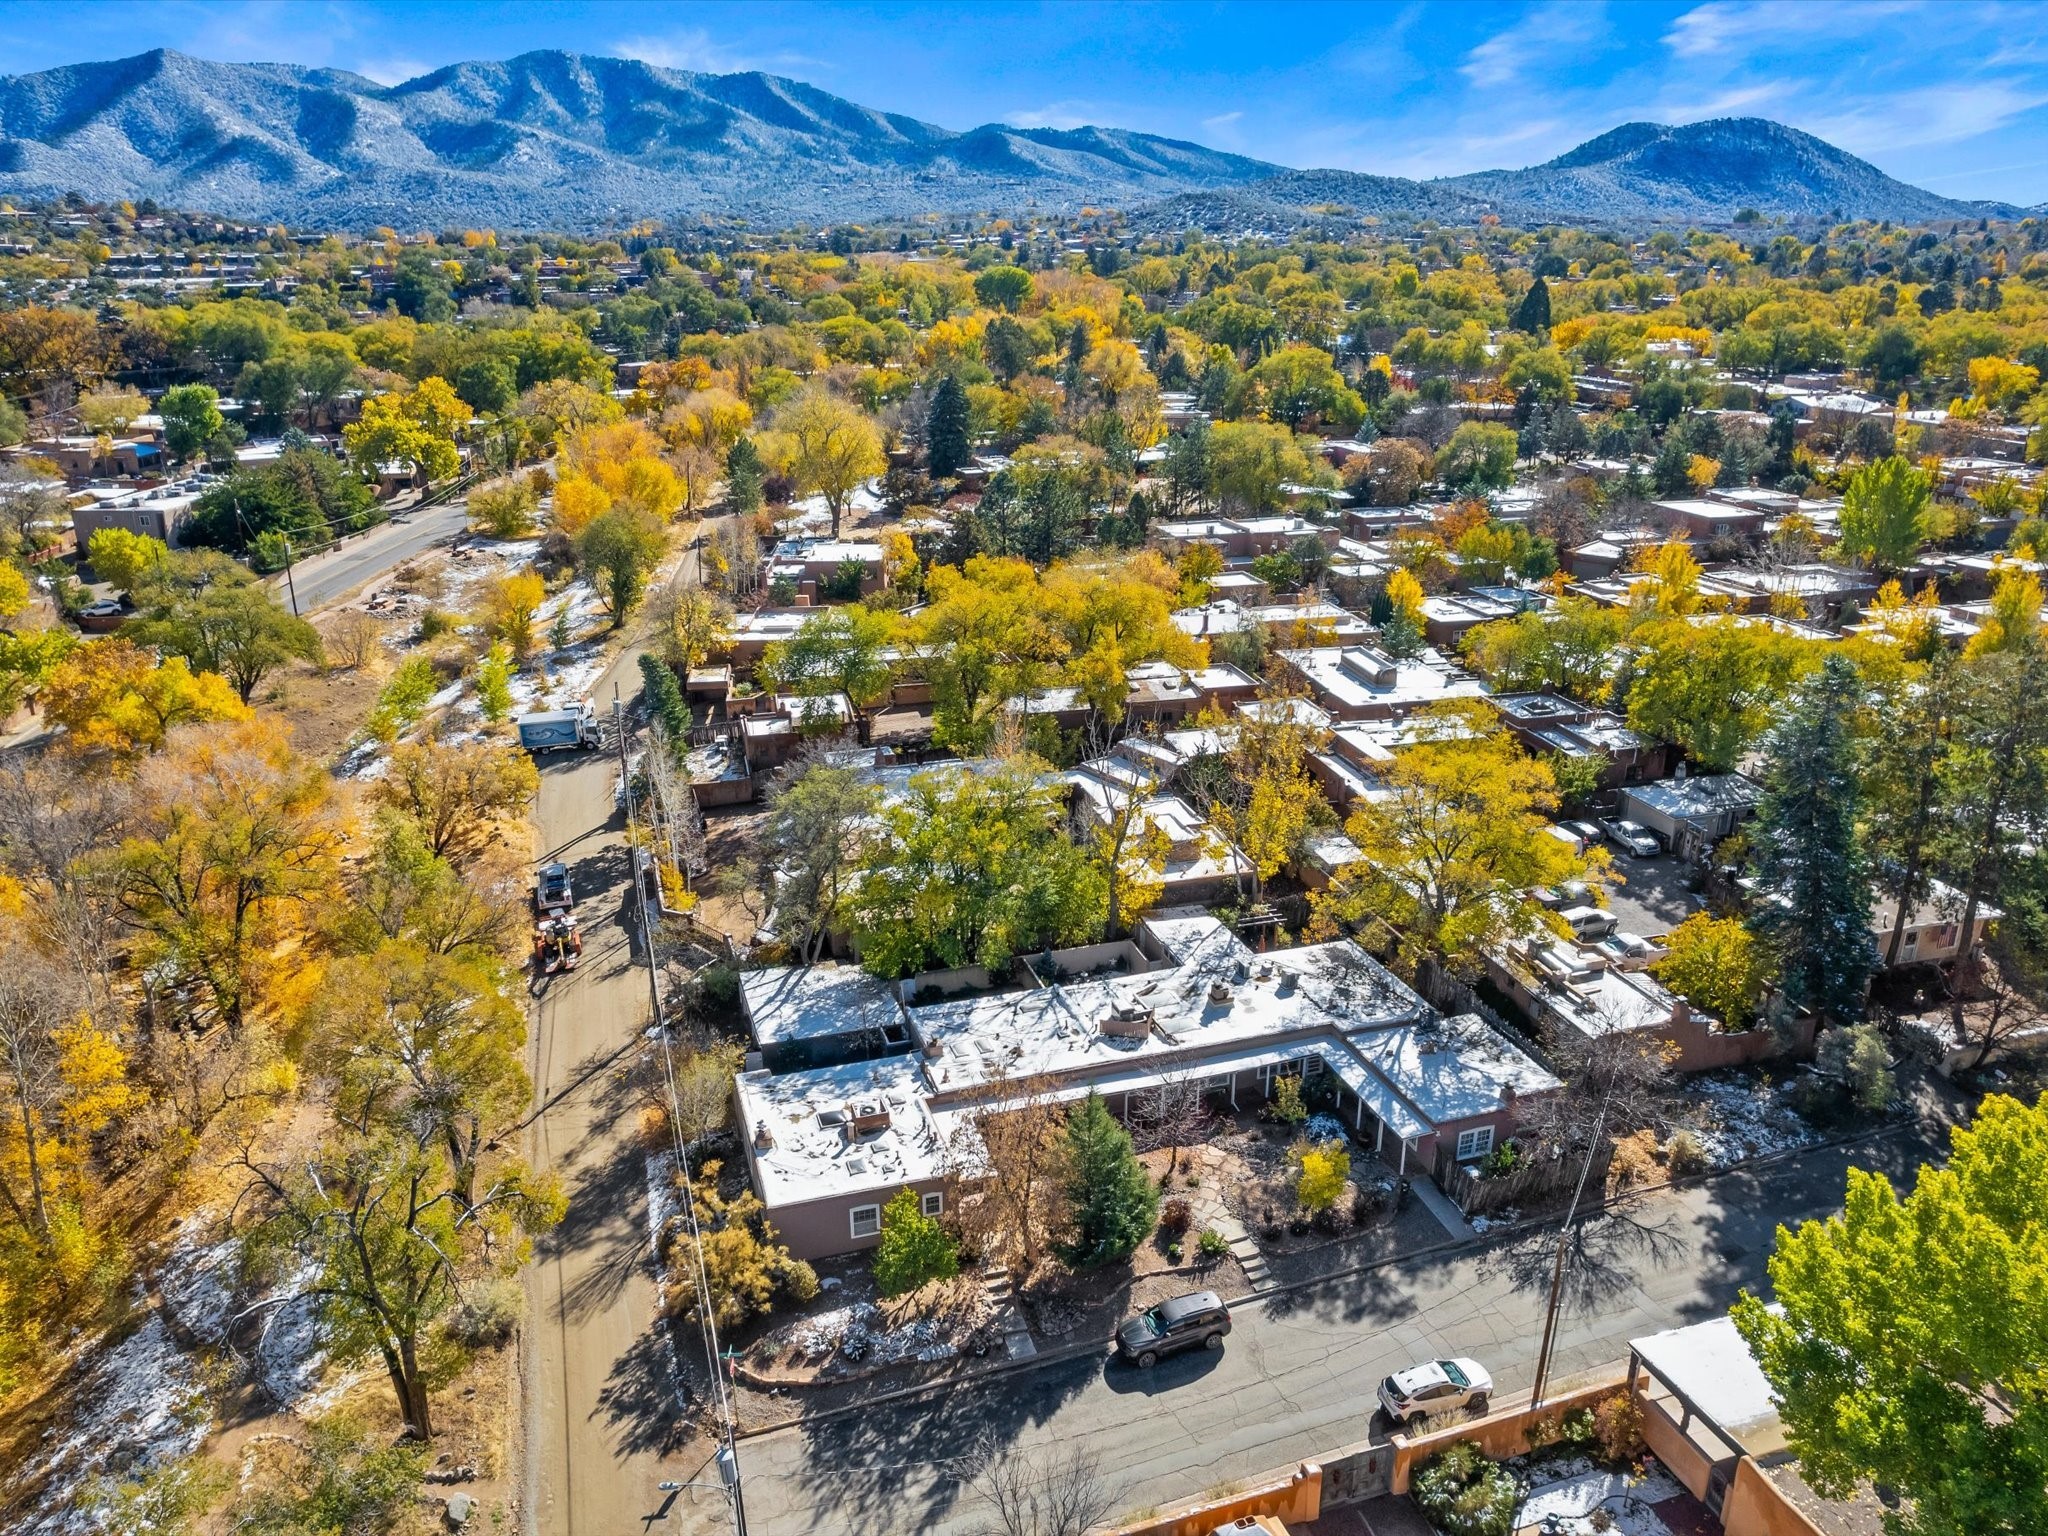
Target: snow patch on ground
x,y
198,1281
140,1404
289,1357
1745,1117
858,1333
1564,1505
1506,1216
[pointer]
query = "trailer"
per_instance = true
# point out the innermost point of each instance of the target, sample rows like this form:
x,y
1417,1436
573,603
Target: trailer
x,y
555,730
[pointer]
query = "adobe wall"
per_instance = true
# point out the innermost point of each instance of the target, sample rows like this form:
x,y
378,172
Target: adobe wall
x,y
1501,1435
1297,1498
1757,1507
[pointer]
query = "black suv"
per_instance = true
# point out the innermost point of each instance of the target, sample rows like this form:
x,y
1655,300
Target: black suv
x,y
1181,1323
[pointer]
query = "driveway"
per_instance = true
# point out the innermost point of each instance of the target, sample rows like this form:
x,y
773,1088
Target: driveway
x,y
334,573
1297,1377
1655,900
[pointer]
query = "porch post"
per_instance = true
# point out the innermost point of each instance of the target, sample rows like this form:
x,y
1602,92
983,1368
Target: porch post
x,y
1404,1157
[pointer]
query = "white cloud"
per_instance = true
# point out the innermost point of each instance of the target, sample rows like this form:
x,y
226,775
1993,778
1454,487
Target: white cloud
x,y
1532,40
1062,115
1221,119
1738,27
392,71
693,50
1935,114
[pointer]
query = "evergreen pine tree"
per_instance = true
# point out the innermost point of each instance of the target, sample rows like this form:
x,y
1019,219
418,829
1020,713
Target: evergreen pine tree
x,y
1533,313
1811,870
665,705
945,434
914,1249
1109,1196
744,475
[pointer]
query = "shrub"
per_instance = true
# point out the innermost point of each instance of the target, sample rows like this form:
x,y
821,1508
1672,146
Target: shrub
x,y
1461,1493
404,698
494,683
1287,1106
436,622
1501,1161
1577,1429
1175,1217
1635,1159
1173,1251
914,1250
1320,1175
1618,1425
488,1314
1857,1058
1685,1155
799,1284
504,511
1211,1244
1365,1205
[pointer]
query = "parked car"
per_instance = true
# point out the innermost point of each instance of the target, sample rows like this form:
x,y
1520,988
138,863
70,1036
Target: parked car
x,y
551,892
1413,1396
1589,923
1566,893
1587,832
1200,1317
1633,837
1630,951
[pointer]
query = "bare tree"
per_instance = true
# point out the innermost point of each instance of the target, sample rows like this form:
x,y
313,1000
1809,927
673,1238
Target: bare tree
x,y
53,828
1048,1493
2009,984
1172,1115
1003,1172
352,639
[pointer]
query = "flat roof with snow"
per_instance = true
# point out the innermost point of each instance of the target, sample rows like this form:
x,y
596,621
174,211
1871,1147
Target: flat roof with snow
x,y
786,1003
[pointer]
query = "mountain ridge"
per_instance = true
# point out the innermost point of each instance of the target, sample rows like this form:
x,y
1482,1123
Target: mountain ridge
x,y
556,139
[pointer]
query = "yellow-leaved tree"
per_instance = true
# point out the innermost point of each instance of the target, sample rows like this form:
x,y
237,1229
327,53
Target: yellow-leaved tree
x,y
115,697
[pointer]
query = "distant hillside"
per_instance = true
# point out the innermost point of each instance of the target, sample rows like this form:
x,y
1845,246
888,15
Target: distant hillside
x,y
546,140
570,141
1706,172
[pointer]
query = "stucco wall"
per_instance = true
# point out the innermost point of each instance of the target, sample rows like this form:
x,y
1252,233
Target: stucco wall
x,y
1298,1497
823,1229
1508,1433
1757,1507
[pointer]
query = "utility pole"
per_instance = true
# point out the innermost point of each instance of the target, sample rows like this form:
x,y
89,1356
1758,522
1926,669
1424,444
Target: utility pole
x,y
1564,1233
714,1360
289,585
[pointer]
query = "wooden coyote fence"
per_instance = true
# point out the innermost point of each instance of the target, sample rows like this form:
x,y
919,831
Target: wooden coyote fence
x,y
1528,1188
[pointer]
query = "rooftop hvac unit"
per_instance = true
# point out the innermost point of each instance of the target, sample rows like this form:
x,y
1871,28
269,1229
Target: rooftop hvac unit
x,y
1126,1021
865,1116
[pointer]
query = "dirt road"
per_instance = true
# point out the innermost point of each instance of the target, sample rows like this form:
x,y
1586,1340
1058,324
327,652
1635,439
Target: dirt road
x,y
600,1399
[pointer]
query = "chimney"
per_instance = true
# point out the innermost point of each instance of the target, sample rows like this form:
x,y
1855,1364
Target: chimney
x,y
764,1138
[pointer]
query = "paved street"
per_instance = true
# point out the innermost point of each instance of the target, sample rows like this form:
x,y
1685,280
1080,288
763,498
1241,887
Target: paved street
x,y
1298,1375
332,574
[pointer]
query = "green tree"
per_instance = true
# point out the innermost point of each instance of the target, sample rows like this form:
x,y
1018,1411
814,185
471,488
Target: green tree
x,y
619,549
809,852
209,610
1111,1202
665,704
1884,513
191,417
914,1250
838,650
1907,1342
744,475
494,682
1806,853
1533,313
1249,462
1004,288
946,442
1712,688
403,698
1715,964
1449,854
971,868
1479,457
123,558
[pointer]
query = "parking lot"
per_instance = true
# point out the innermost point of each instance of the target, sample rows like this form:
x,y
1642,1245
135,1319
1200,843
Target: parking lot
x,y
1656,899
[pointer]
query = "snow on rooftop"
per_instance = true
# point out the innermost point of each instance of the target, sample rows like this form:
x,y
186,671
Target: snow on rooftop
x,y
813,1150
795,1002
1454,1068
1712,1368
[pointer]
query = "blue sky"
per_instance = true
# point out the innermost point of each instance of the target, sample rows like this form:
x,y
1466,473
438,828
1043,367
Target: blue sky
x,y
1949,94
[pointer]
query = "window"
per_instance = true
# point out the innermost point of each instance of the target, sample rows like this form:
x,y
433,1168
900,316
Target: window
x,y
1476,1142
934,1203
867,1220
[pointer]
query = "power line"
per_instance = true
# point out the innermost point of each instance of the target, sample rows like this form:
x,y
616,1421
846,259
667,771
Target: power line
x,y
729,1465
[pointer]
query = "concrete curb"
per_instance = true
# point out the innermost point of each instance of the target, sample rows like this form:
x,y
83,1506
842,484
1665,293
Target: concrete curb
x,y
1446,1249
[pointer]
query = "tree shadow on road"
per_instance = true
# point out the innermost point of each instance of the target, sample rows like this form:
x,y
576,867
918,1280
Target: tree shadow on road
x,y
904,1466
640,1401
1384,1293
1604,1255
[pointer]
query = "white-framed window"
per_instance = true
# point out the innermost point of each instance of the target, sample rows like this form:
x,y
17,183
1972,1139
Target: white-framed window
x,y
1476,1142
933,1202
867,1220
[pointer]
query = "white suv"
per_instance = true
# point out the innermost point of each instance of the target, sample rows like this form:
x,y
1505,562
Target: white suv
x,y
1416,1395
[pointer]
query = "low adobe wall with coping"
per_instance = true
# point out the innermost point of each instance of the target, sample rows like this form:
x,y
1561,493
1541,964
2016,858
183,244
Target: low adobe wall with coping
x,y
1297,1497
